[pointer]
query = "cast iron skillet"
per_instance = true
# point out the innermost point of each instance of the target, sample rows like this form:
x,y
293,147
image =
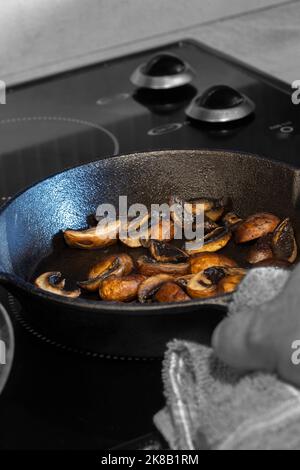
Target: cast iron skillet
x,y
30,222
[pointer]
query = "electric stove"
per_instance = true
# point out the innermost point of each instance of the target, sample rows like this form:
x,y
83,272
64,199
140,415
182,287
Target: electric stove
x,y
180,96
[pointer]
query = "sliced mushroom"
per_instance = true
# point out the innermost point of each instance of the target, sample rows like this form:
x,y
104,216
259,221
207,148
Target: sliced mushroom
x,y
256,226
232,221
135,230
179,213
218,209
283,242
205,260
274,263
121,289
183,281
234,271
93,238
117,265
171,292
150,286
213,241
150,267
229,283
165,252
201,286
261,250
207,282
53,282
209,205
186,212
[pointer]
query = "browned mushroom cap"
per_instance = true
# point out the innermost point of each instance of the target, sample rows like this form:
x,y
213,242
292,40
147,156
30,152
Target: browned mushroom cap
x,y
205,260
213,241
232,221
213,208
274,263
206,283
118,265
93,238
134,230
183,281
186,212
234,271
171,292
261,250
229,283
256,226
201,286
120,289
149,267
178,211
150,286
218,209
210,206
165,252
232,278
54,283
283,243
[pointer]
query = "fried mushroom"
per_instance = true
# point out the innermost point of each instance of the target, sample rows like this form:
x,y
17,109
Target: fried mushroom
x,y
135,230
93,238
209,282
121,289
231,280
171,292
229,284
186,212
211,206
232,221
150,267
202,261
183,281
256,226
213,241
283,242
165,252
117,265
201,286
274,263
151,285
54,283
261,250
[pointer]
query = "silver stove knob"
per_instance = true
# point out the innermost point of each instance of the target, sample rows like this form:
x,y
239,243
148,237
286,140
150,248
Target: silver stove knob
x,y
162,72
220,104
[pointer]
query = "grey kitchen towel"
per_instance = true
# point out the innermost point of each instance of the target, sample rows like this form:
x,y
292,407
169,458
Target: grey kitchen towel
x,y
210,405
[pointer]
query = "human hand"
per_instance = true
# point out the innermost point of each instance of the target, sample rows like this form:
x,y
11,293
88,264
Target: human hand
x,y
264,339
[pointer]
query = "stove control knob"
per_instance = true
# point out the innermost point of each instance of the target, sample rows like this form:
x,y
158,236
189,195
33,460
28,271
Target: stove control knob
x,y
164,64
220,97
220,104
162,72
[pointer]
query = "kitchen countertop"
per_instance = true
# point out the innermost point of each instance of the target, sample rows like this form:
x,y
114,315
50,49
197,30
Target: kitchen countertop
x,y
267,39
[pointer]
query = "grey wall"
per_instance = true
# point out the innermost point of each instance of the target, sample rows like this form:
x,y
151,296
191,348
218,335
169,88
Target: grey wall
x,y
42,36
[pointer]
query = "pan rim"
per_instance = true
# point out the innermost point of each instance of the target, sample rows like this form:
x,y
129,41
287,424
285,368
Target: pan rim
x,y
103,307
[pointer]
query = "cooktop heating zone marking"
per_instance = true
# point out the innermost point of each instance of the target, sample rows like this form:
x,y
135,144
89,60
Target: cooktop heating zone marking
x,y
69,120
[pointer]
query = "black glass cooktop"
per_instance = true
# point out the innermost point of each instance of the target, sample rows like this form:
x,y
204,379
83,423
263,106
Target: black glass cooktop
x,y
96,112
55,398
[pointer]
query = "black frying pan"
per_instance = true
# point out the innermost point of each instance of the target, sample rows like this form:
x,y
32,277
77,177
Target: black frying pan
x,y
30,222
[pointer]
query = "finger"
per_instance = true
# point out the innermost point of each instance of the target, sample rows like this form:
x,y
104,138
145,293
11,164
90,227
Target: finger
x,y
237,343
